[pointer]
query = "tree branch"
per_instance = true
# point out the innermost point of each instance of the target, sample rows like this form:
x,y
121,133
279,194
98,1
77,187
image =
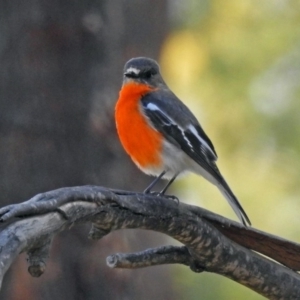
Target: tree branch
x,y
150,257
211,242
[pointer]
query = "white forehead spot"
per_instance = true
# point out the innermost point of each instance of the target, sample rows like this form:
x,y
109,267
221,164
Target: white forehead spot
x,y
133,70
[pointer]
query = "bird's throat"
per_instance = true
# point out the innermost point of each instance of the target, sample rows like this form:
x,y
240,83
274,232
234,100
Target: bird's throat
x,y
139,139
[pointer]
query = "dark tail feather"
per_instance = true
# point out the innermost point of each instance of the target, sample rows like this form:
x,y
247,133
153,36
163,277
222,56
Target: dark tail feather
x,y
234,203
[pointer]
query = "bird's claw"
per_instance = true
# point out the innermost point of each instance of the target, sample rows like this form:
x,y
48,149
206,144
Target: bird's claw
x,y
172,197
160,194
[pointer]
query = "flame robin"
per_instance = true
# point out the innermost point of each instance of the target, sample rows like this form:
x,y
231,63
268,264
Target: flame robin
x,y
161,134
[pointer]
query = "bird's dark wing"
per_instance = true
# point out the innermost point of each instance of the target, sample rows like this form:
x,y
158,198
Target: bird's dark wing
x,y
188,136
178,125
173,119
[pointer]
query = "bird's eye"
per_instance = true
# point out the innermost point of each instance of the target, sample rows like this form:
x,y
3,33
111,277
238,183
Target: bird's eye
x,y
149,73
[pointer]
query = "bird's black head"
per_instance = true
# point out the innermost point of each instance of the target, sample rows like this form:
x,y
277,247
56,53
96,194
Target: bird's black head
x,y
143,70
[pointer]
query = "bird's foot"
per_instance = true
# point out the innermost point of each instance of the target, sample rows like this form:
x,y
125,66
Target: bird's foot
x,y
172,197
160,194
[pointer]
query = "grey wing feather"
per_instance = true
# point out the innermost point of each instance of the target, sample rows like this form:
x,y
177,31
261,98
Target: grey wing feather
x,y
171,116
183,130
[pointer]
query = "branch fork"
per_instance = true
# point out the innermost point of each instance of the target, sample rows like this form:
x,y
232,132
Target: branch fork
x,y
210,242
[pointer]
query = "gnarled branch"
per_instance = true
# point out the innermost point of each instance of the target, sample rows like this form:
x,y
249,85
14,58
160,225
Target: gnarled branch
x,y
211,243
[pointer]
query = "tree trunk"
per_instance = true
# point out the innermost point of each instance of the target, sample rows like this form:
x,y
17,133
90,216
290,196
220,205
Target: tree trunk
x,y
61,68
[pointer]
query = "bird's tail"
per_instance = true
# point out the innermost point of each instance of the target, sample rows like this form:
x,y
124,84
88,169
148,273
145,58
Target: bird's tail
x,y
234,203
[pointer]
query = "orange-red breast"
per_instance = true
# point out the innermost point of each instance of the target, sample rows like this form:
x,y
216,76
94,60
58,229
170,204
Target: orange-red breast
x,y
161,134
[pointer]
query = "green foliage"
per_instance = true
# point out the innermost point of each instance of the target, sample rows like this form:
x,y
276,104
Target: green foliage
x,y
237,66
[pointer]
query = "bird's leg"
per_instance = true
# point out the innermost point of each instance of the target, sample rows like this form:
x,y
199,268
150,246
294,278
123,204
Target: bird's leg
x,y
153,183
162,192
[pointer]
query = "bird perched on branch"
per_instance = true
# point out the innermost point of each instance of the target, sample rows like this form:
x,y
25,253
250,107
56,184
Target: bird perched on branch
x,y
161,134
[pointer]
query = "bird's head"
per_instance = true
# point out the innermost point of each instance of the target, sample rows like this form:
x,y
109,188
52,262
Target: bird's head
x,y
143,70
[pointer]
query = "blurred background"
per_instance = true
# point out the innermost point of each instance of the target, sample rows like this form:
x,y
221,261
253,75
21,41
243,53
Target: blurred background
x,y
236,64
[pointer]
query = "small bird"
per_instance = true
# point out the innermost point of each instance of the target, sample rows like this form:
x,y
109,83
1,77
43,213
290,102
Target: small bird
x,y
160,133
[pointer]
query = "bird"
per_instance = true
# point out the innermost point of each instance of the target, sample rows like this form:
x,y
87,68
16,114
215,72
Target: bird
x,y
160,133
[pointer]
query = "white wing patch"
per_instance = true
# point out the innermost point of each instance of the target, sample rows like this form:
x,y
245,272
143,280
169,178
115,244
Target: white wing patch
x,y
191,128
153,107
201,140
186,139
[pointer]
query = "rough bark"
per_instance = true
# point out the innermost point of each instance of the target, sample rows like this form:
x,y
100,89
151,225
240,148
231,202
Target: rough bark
x,y
206,236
